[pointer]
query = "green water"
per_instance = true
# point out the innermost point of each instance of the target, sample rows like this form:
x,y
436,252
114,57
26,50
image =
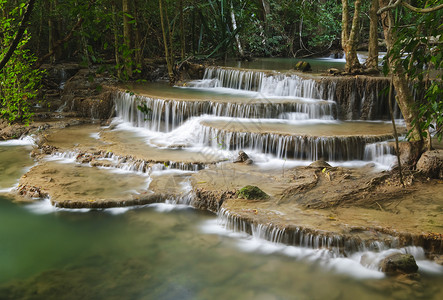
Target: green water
x,y
151,254
285,64
14,161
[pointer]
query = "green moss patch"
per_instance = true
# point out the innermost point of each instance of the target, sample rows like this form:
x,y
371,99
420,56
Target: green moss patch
x,y
252,192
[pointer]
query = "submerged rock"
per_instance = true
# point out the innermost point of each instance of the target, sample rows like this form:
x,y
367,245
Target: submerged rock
x,y
431,164
399,263
252,192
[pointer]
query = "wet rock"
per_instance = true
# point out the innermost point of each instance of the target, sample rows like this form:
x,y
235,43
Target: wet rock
x,y
248,161
33,192
349,90
48,149
252,192
101,163
320,164
84,94
189,70
431,164
243,158
13,131
84,158
303,66
337,54
333,71
398,263
211,200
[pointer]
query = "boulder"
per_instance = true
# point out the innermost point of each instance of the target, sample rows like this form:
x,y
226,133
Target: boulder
x,y
431,164
398,263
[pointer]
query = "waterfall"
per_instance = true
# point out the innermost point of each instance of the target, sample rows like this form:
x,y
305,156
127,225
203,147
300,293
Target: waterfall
x,y
337,245
284,98
381,153
292,146
167,115
110,160
268,85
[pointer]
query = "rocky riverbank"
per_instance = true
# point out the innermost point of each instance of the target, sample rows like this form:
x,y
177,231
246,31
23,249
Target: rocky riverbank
x,y
361,205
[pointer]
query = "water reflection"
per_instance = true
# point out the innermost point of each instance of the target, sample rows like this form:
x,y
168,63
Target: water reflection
x,y
14,162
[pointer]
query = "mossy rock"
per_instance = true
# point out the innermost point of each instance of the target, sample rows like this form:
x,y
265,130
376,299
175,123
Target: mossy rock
x,y
303,66
398,263
252,192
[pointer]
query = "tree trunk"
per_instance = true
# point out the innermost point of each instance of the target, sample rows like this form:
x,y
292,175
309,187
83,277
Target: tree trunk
x,y
403,93
166,33
84,43
352,63
372,61
234,28
344,25
194,48
127,38
51,33
116,42
182,32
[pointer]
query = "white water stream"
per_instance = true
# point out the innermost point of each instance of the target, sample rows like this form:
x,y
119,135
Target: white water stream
x,y
223,127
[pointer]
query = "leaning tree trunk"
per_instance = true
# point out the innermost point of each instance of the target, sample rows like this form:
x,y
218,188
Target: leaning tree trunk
x,y
352,63
403,93
19,35
372,61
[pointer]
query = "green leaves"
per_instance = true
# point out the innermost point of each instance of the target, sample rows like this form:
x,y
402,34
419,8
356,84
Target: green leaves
x,y
19,83
418,50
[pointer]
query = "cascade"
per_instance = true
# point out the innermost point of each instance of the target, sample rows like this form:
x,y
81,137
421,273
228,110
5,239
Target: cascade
x,y
167,115
297,147
359,98
380,152
278,97
267,85
338,245
125,163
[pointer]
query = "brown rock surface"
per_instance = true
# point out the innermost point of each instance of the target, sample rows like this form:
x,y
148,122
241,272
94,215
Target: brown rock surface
x,y
431,164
